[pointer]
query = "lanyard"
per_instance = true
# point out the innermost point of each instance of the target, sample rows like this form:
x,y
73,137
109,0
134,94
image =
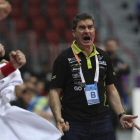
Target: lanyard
x,y
96,77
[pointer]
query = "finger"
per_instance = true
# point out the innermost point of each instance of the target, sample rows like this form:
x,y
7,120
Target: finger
x,y
67,123
2,51
18,51
135,125
134,117
128,124
20,56
13,53
1,46
3,61
65,127
60,129
21,61
125,125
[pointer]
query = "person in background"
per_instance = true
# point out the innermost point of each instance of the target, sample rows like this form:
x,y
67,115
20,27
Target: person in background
x,y
120,69
138,11
25,98
40,106
102,47
33,79
40,88
85,77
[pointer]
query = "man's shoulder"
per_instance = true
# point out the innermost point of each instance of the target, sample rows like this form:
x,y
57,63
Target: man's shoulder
x,y
65,54
101,52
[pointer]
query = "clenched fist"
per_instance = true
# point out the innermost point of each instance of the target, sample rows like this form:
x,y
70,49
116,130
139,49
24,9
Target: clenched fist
x,y
17,59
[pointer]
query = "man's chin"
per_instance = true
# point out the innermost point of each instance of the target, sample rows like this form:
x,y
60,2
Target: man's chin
x,y
87,44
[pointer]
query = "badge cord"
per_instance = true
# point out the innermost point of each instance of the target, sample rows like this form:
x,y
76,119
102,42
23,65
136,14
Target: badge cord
x,y
81,73
96,77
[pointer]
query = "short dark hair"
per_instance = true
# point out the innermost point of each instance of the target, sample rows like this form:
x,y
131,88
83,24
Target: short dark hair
x,y
109,39
27,89
81,16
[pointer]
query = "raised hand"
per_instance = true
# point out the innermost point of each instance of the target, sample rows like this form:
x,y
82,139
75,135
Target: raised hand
x,y
17,59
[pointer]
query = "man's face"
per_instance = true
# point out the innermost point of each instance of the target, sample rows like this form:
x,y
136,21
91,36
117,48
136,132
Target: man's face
x,y
27,97
111,46
84,33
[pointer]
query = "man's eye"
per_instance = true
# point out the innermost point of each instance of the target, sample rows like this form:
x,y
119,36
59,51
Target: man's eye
x,y
90,27
81,27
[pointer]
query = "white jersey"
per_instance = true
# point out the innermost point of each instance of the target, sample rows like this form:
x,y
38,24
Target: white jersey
x,y
17,123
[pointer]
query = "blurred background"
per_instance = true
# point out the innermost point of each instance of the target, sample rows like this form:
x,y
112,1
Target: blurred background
x,y
41,29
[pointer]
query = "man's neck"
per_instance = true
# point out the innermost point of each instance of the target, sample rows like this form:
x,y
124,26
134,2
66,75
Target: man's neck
x,y
87,50
112,56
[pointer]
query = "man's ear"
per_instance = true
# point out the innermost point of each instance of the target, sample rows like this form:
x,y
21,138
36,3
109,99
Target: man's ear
x,y
73,32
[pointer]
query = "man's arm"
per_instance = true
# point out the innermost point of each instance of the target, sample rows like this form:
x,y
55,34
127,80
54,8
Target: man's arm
x,y
114,99
115,102
56,109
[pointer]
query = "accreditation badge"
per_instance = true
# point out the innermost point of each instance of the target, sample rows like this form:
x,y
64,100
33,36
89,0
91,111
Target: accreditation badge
x,y
92,95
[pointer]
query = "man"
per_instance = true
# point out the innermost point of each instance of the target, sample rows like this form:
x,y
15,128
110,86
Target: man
x,y
84,75
120,68
25,99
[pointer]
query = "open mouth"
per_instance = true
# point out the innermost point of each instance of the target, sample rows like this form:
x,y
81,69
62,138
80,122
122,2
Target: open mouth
x,y
86,38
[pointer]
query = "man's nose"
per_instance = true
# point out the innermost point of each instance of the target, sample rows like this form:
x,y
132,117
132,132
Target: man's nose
x,y
86,30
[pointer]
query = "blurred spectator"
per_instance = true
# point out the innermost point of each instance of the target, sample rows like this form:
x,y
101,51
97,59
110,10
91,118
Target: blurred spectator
x,y
40,88
138,11
19,90
30,85
120,69
25,98
40,105
29,97
33,79
102,47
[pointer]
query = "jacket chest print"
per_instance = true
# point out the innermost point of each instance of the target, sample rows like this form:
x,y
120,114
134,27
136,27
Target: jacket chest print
x,y
75,71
